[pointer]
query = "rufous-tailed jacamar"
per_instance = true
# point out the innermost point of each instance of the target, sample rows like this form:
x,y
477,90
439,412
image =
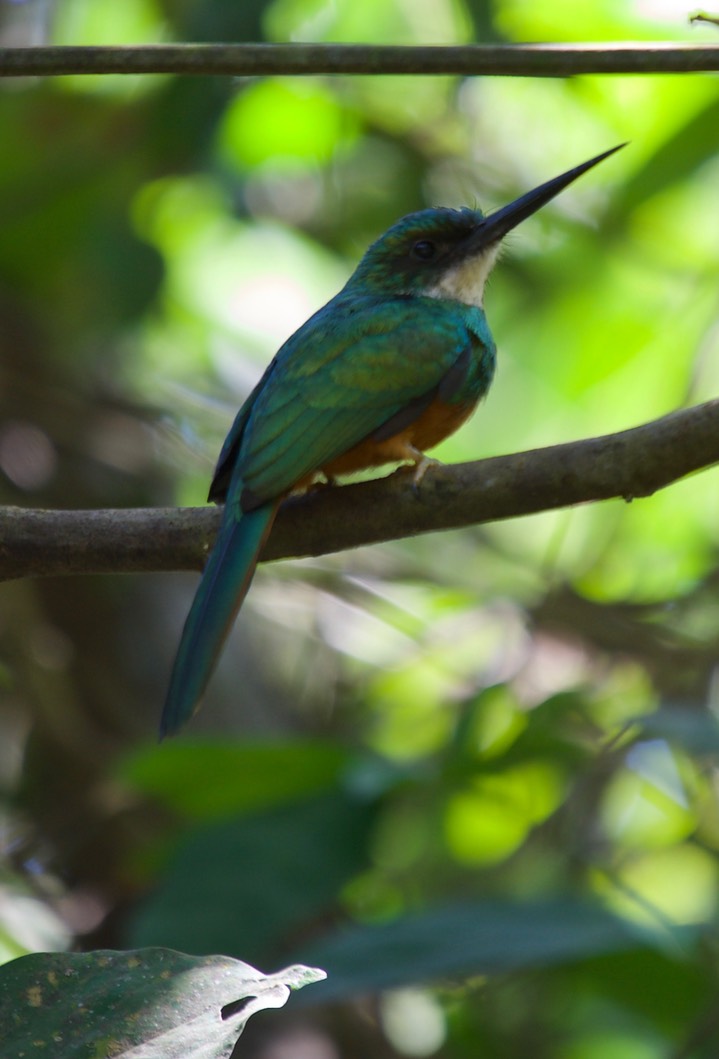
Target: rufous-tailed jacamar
x,y
389,367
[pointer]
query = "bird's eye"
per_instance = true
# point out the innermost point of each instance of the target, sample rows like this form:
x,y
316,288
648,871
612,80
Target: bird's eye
x,y
424,250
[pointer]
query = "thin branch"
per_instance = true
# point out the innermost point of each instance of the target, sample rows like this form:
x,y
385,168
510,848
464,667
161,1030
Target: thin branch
x,y
260,60
629,464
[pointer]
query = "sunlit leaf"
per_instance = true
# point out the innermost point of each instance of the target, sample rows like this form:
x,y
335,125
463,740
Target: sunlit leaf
x,y
676,885
283,122
143,1004
487,820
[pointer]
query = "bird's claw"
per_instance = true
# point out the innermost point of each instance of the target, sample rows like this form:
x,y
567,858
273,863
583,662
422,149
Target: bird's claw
x,y
420,469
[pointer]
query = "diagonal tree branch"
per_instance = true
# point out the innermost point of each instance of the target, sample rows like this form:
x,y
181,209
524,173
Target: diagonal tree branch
x,y
260,60
632,463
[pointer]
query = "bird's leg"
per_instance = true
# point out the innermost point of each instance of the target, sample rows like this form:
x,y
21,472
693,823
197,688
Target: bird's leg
x,y
407,451
420,469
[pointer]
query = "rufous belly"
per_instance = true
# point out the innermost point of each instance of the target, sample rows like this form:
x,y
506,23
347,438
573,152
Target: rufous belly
x,y
437,422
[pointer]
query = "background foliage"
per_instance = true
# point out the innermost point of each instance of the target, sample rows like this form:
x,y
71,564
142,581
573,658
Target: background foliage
x,y
472,775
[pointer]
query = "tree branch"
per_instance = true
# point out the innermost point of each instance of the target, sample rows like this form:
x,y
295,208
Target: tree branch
x,y
632,463
260,60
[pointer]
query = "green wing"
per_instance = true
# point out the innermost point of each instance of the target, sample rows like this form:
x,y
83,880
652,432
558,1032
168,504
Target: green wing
x,y
349,369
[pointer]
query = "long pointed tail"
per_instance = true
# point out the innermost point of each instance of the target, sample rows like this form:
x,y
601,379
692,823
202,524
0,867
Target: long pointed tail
x,y
223,587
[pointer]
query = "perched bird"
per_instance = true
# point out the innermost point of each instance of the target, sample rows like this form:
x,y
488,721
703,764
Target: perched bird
x,y
389,367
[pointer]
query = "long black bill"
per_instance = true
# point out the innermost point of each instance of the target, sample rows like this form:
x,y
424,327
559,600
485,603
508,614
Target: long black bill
x,y
496,226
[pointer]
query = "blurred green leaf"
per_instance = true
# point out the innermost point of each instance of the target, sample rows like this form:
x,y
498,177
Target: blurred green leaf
x,y
105,22
207,780
489,818
380,21
492,937
287,122
248,885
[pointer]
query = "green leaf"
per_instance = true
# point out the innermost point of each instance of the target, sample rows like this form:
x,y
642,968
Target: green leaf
x,y
285,122
144,1004
287,866
232,778
468,939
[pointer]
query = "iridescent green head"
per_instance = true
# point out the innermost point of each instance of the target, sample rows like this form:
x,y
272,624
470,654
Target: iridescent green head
x,y
446,253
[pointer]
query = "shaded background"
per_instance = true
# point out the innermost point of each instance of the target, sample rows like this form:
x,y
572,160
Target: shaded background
x,y
473,775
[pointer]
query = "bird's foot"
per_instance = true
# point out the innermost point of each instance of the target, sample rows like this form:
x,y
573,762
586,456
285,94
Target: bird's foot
x,y
419,463
420,469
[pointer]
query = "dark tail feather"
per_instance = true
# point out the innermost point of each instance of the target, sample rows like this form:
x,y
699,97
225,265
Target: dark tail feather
x,y
223,587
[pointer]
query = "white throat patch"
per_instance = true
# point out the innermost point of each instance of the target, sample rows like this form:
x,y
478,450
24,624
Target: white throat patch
x,y
465,282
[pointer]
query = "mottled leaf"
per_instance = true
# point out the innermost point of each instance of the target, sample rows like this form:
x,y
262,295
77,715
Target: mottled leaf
x,y
142,1004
